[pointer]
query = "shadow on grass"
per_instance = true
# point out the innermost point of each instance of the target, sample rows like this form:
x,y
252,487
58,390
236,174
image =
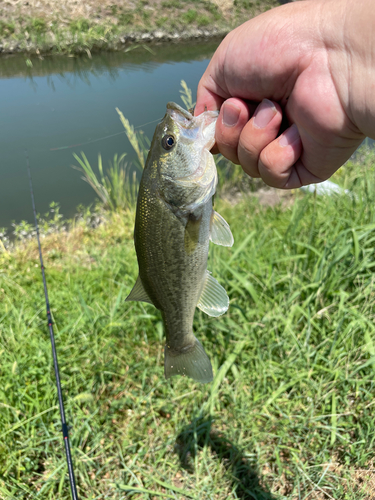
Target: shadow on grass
x,y
200,434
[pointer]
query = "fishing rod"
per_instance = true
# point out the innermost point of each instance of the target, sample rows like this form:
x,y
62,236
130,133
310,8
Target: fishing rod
x,y
65,429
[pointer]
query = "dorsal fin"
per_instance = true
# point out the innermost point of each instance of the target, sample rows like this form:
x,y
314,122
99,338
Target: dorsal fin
x,y
138,293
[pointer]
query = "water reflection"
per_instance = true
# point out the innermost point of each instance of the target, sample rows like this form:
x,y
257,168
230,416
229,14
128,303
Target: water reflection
x,y
140,58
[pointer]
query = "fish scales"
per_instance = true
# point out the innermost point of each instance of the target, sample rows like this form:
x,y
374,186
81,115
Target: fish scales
x,y
173,280
174,223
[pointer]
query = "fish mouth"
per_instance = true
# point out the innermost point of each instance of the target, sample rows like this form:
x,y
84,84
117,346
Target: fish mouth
x,y
191,125
179,111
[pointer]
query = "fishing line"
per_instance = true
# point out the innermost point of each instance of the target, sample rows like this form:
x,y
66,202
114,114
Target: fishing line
x,y
148,123
99,138
88,142
65,430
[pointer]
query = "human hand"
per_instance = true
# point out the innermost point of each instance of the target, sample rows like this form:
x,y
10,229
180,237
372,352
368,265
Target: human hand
x,y
308,64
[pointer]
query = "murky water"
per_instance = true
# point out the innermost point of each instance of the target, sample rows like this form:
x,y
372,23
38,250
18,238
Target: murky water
x,y
63,102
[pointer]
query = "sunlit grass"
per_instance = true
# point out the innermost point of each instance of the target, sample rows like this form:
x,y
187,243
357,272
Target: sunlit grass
x,y
290,412
118,189
59,27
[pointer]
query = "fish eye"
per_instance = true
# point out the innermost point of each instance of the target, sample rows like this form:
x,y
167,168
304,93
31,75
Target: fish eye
x,y
168,142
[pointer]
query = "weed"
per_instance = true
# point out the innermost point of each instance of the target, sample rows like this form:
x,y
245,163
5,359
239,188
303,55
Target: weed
x,y
186,96
117,190
139,143
171,4
6,28
146,16
126,18
189,16
79,25
161,21
101,31
50,222
37,25
203,20
214,11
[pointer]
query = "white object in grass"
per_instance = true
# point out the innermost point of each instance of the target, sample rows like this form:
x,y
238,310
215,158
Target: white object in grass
x,y
325,187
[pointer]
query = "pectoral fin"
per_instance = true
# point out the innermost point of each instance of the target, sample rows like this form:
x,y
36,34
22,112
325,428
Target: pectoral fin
x,y
214,300
138,293
220,232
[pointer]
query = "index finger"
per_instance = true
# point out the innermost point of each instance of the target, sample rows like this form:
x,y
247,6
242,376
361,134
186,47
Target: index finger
x,y
207,100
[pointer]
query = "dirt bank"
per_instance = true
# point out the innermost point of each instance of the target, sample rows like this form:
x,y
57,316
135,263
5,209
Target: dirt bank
x,y
73,26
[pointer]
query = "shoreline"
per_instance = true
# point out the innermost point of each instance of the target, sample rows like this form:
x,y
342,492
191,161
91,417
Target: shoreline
x,y
68,27
123,42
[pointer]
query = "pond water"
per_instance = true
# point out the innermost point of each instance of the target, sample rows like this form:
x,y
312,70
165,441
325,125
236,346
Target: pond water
x,y
65,105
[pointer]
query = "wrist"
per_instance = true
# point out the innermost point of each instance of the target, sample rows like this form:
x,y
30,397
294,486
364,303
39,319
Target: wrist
x,y
351,53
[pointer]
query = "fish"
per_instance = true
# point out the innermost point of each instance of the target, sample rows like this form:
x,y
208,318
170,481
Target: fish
x,y
174,223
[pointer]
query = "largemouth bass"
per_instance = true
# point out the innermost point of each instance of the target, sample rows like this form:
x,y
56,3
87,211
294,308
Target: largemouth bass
x,y
173,225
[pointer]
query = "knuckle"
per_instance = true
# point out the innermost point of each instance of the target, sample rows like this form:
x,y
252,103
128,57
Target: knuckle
x,y
248,161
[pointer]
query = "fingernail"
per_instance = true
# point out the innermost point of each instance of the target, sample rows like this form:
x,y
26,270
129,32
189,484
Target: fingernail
x,y
231,115
289,136
264,113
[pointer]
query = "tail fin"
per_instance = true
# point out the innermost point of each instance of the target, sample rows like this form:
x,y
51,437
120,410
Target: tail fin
x,y
191,361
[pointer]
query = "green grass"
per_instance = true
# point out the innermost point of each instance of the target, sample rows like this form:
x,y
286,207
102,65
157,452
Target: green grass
x,y
189,16
289,414
37,26
119,189
6,28
79,25
62,30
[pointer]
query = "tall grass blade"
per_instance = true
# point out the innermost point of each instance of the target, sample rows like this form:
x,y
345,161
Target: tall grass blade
x,y
220,375
333,419
186,96
244,282
26,421
137,489
118,190
284,387
133,139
